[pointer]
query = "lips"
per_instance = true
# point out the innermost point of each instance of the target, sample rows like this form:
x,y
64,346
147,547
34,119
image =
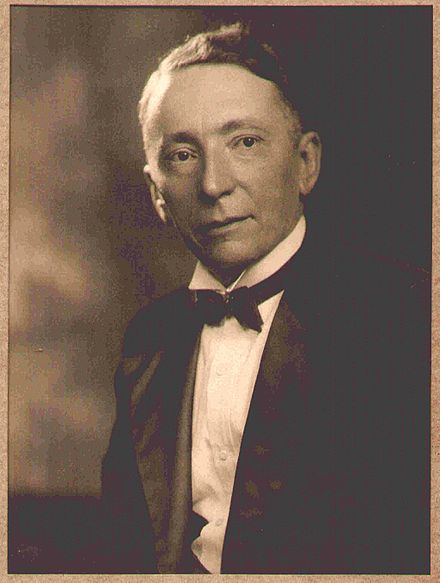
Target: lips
x,y
214,227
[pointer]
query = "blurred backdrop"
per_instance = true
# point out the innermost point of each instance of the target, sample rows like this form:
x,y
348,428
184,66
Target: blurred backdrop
x,y
86,249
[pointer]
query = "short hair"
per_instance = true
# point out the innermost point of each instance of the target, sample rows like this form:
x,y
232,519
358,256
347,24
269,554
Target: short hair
x,y
231,44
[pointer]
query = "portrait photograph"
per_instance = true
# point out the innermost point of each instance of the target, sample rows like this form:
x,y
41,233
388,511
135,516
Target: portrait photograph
x,y
220,242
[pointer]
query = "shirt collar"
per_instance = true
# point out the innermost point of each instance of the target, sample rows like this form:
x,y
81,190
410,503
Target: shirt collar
x,y
262,269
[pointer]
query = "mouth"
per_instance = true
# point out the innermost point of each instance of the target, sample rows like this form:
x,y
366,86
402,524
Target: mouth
x,y
218,227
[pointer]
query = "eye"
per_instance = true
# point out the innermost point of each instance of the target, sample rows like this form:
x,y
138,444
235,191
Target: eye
x,y
181,161
249,141
246,142
181,156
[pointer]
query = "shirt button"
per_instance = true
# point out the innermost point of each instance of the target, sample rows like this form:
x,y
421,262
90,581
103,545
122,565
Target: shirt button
x,y
223,455
218,522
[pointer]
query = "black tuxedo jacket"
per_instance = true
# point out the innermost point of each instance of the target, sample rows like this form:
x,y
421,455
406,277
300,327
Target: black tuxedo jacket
x,y
333,472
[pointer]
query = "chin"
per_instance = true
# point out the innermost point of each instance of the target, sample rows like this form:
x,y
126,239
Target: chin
x,y
229,261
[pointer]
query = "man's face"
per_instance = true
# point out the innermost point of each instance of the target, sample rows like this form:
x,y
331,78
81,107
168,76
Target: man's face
x,y
224,164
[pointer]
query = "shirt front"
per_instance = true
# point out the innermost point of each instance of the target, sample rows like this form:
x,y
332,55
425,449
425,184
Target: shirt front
x,y
227,368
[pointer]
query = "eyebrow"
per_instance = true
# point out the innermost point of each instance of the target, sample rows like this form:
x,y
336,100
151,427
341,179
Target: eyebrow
x,y
238,124
181,137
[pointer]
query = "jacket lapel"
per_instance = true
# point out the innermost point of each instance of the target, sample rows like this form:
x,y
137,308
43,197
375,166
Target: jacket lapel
x,y
282,447
281,400
161,411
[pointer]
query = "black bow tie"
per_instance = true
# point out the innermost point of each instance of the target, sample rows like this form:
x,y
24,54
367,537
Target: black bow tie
x,y
212,306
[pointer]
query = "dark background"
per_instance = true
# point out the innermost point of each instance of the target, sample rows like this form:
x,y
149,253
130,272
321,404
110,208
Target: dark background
x,y
86,250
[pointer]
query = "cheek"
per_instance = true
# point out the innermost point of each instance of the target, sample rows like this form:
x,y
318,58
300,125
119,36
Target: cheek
x,y
178,191
276,170
286,176
180,196
278,195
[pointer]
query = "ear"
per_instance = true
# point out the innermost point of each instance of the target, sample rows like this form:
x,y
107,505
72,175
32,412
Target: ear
x,y
310,162
159,203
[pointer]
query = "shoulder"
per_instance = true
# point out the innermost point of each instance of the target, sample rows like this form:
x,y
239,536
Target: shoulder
x,y
381,279
355,269
348,283
147,329
384,299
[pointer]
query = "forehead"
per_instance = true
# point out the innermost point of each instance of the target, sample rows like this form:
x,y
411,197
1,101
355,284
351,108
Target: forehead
x,y
203,97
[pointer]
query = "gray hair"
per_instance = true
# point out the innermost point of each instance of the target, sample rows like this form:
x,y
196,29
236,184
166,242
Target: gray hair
x,y
231,44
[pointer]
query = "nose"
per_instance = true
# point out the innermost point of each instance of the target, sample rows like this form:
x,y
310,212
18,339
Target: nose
x,y
217,179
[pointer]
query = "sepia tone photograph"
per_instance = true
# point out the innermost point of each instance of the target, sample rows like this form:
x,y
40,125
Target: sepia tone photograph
x,y
220,290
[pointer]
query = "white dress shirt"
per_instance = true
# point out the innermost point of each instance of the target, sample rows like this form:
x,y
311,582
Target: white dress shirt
x,y
227,368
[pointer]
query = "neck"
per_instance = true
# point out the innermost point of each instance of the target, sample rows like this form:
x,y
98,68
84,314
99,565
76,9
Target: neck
x,y
228,276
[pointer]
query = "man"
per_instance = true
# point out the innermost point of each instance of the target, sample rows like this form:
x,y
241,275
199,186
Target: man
x,y
272,418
